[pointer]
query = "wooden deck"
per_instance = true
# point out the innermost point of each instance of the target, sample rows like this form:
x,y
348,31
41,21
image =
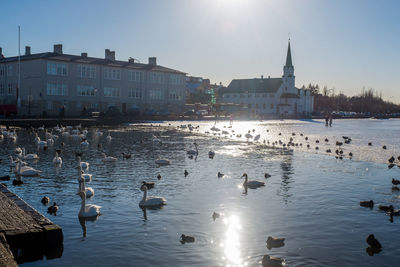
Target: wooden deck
x,y
28,234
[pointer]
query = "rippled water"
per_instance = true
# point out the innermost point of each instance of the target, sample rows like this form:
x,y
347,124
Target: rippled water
x,y
312,199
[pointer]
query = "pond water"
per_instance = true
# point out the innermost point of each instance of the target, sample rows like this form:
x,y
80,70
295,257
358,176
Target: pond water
x,y
311,198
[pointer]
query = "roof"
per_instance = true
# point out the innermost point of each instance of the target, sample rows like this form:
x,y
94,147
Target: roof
x,y
289,95
91,60
289,57
265,85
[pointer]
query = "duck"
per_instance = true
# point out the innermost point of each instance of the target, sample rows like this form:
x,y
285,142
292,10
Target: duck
x,y
108,158
393,212
83,164
5,178
186,239
87,210
159,176
193,152
373,242
151,202
45,200
370,144
391,160
251,184
149,185
385,208
78,153
211,154
53,209
57,160
162,162
275,242
368,204
126,156
267,175
384,147
215,215
395,182
17,181
269,261
186,173
219,174
108,138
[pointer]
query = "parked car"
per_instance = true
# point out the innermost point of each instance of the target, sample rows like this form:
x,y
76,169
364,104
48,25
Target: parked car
x,y
113,111
189,113
134,111
202,112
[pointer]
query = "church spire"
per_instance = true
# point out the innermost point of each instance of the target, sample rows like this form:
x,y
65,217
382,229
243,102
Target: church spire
x,y
289,57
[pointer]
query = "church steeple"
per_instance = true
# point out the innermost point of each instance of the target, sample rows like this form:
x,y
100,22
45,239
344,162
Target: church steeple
x,y
289,57
288,69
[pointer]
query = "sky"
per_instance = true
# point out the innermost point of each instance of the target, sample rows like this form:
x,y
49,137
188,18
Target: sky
x,y
343,44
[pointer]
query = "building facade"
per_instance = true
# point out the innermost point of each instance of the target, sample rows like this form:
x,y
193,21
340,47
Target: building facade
x,y
53,80
271,95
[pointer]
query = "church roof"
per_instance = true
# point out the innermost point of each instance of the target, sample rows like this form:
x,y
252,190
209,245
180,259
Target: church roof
x,y
289,57
256,85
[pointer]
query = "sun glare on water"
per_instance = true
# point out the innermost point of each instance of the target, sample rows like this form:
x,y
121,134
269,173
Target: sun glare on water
x,y
232,241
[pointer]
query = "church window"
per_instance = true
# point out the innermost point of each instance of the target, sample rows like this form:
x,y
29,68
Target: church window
x,y
272,106
264,106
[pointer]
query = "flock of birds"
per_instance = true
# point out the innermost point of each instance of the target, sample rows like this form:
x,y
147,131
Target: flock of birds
x,y
21,168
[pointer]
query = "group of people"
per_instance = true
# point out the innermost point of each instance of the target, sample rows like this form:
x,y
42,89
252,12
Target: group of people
x,y
328,120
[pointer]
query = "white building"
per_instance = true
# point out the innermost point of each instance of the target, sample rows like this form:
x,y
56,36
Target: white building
x,y
271,95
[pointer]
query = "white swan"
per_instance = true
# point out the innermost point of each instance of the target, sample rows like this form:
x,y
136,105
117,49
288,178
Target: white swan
x,y
28,156
109,137
108,158
18,151
82,185
163,162
248,136
84,165
193,152
13,164
148,202
87,210
26,170
57,160
251,184
85,143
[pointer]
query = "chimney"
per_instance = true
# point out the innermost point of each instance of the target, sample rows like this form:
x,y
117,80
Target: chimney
x,y
58,49
83,54
153,61
27,50
131,60
1,52
110,55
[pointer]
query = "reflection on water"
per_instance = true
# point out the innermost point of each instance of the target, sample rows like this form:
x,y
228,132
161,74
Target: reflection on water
x,y
231,244
83,220
287,171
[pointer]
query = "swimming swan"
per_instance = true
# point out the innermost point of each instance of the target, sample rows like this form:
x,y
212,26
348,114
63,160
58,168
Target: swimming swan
x,y
87,210
108,158
148,202
57,160
28,156
26,170
251,184
83,164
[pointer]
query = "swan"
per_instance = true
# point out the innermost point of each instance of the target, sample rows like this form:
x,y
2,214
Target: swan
x,y
108,138
42,143
211,154
18,151
162,162
108,158
85,143
251,184
29,156
99,133
13,164
84,165
87,210
50,141
248,136
26,170
257,137
57,160
150,201
89,192
193,152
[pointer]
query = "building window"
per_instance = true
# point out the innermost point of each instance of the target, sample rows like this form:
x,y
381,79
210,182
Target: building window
x,y
271,95
2,89
86,71
264,95
134,76
155,94
227,96
256,106
272,106
156,77
9,70
112,74
135,93
264,106
57,88
49,105
241,95
173,95
177,79
111,92
2,70
85,90
54,68
10,90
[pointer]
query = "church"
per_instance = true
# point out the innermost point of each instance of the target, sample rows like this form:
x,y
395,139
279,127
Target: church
x,y
274,96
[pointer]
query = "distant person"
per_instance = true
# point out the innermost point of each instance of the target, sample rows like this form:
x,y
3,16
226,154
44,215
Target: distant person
x,y
326,120
330,120
84,111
